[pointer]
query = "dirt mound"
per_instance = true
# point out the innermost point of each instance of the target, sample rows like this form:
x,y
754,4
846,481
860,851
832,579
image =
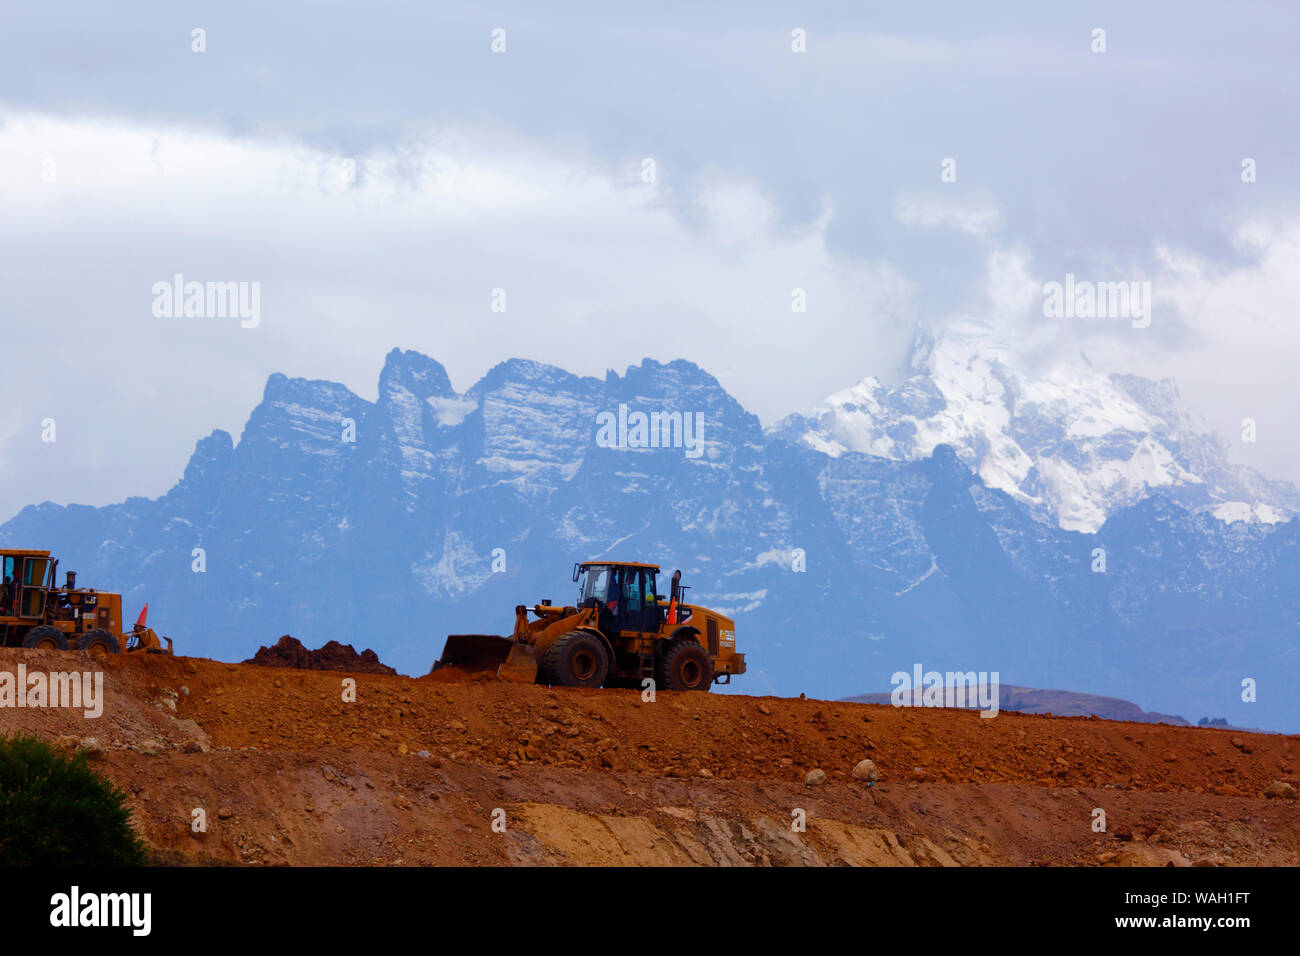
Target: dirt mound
x,y
333,656
288,769
453,674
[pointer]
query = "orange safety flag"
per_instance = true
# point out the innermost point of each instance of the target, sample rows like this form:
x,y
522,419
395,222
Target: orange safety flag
x,y
144,612
672,611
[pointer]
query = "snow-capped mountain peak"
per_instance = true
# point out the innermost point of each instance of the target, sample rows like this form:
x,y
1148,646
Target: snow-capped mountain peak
x,y
1071,442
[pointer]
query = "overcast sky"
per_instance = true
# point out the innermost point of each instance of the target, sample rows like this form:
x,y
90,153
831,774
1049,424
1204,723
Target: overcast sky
x,y
126,157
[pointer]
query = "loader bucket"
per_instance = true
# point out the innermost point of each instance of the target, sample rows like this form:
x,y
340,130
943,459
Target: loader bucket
x,y
474,652
520,666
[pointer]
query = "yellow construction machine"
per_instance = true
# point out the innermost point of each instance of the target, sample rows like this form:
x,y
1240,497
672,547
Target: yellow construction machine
x,y
34,613
620,632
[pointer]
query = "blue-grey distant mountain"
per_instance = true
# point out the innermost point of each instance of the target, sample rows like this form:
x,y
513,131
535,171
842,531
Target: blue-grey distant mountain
x,y
388,541
1062,703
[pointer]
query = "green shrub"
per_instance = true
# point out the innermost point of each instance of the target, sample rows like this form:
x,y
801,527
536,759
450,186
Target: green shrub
x,y
56,811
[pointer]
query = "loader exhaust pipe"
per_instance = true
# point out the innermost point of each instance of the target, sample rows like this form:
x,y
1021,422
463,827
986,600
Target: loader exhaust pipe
x,y
72,581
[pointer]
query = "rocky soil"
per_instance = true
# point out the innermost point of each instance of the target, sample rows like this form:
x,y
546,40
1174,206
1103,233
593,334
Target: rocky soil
x,y
284,766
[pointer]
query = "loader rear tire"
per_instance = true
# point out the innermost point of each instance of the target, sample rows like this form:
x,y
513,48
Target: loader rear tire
x,y
686,666
45,638
101,642
576,660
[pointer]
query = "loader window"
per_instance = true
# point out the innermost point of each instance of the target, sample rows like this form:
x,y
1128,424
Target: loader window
x,y
33,593
632,592
650,614
614,591
33,602
8,588
34,573
595,585
638,610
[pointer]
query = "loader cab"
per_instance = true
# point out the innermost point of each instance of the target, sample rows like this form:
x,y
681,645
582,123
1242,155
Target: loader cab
x,y
626,595
23,583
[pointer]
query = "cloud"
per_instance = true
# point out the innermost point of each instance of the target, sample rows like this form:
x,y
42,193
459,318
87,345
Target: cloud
x,y
599,270
1222,331
975,217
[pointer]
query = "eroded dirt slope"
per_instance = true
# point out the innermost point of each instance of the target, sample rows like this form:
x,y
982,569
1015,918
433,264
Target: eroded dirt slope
x,y
285,770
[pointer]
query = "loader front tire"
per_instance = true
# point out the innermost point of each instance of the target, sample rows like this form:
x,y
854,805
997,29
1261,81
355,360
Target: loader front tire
x,y
45,638
576,660
100,642
686,666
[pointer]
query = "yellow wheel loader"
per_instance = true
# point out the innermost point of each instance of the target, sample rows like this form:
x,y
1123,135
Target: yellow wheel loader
x,y
34,613
620,632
